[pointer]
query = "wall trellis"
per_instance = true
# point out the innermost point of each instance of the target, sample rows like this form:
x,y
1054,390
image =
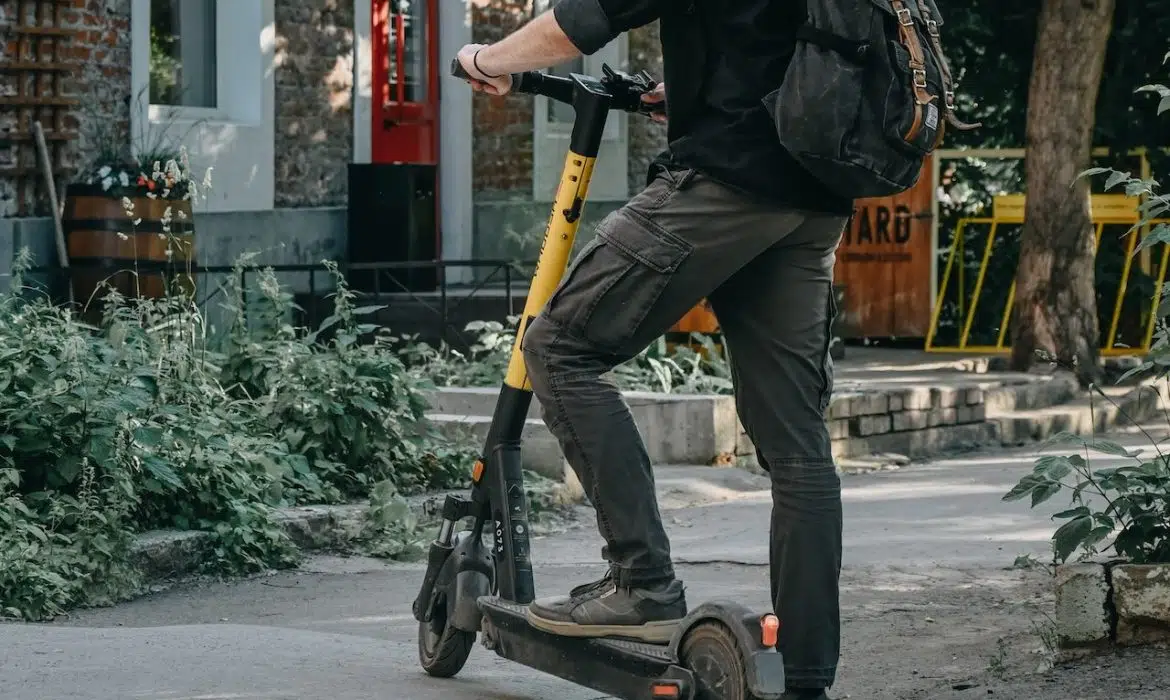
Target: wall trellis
x,y
34,90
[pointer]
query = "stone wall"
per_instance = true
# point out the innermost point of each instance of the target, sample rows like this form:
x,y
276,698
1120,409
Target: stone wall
x,y
99,47
314,101
912,422
647,137
504,128
502,148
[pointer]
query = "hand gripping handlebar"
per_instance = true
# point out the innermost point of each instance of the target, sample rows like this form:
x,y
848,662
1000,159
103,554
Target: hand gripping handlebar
x,y
625,90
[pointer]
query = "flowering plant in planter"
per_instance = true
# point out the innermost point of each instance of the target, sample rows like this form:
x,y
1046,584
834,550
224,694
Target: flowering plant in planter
x,y
164,178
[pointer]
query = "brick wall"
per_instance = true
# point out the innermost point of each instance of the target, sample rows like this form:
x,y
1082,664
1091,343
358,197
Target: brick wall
x,y
647,138
502,149
314,105
503,128
99,46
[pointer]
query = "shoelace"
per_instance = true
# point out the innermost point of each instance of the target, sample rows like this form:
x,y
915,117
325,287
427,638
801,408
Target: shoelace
x,y
592,590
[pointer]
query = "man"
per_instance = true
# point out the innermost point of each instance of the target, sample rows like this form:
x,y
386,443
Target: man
x,y
729,216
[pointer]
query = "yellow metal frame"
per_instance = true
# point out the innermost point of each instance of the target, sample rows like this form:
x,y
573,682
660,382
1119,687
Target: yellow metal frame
x,y
559,236
1106,209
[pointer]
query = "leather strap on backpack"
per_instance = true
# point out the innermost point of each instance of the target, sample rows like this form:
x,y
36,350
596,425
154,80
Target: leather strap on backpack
x,y
948,78
917,55
909,39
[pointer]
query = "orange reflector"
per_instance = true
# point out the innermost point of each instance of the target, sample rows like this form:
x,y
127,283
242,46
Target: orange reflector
x,y
668,691
477,471
769,629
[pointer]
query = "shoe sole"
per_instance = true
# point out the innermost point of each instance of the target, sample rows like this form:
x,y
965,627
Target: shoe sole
x,y
651,632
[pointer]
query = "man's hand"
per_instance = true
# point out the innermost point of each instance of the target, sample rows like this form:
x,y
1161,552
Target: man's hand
x,y
655,96
482,81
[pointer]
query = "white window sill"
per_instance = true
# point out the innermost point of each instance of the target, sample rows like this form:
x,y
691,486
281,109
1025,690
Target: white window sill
x,y
166,114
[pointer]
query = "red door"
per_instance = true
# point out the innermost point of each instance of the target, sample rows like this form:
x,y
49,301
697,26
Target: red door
x,y
405,81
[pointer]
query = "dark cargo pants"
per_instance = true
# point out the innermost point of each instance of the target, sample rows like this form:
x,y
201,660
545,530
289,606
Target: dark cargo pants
x,y
768,275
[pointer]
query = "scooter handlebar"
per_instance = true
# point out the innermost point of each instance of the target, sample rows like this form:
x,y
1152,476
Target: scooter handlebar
x,y
560,88
521,82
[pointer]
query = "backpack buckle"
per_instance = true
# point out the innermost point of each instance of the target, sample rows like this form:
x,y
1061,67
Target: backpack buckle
x,y
950,99
919,78
904,17
932,28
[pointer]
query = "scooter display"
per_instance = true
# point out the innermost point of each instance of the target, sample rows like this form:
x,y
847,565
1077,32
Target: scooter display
x,y
721,651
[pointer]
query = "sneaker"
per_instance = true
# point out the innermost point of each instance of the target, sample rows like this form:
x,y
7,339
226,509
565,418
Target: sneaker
x,y
601,609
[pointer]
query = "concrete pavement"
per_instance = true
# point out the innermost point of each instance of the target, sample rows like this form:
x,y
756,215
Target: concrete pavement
x,y
931,606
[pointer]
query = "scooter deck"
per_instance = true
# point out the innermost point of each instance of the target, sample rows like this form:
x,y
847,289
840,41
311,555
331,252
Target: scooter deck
x,y
619,667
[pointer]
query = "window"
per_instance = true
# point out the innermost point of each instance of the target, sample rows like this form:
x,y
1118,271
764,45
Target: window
x,y
559,112
407,30
183,53
553,127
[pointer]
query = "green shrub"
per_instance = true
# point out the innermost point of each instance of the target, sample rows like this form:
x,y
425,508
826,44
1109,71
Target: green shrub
x,y
145,423
1126,509
680,369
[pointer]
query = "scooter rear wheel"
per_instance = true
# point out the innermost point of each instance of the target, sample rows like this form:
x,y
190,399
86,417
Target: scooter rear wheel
x,y
710,652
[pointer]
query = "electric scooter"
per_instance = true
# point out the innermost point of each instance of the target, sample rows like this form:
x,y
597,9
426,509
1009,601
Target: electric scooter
x,y
721,650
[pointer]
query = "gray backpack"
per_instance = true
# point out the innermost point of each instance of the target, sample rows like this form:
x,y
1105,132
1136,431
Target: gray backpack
x,y
867,95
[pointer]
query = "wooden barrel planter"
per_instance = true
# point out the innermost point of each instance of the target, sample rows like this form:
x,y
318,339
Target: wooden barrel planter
x,y
108,250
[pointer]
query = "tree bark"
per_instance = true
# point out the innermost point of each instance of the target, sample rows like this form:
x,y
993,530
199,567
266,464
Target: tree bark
x,y
1055,308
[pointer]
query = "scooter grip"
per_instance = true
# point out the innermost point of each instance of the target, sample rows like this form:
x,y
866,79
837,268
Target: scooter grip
x,y
521,82
458,70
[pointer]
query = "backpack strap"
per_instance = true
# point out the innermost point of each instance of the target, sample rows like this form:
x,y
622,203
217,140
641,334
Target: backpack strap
x,y
948,79
909,39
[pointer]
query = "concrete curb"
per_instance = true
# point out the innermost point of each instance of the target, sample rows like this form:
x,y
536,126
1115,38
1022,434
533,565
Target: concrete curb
x,y
916,422
1100,605
165,554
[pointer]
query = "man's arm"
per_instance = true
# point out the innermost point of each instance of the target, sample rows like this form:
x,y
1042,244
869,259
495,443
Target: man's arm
x,y
571,28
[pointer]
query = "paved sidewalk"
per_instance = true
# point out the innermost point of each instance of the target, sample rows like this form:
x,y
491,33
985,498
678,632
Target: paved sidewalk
x,y
932,607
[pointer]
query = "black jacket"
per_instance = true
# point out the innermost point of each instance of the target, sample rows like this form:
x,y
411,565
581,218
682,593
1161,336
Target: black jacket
x,y
720,58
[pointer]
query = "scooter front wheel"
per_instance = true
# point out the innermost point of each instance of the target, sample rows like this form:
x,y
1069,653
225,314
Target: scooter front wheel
x,y
442,648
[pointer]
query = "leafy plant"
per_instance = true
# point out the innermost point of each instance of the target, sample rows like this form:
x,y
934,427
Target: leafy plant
x,y
681,369
1130,504
144,422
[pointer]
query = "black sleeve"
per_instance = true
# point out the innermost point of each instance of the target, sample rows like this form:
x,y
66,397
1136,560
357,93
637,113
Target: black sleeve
x,y
591,24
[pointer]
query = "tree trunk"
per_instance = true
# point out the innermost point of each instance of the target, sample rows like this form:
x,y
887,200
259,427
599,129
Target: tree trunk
x,y
1056,307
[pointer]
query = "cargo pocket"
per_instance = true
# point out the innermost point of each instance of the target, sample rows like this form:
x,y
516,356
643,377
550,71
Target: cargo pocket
x,y
617,282
827,371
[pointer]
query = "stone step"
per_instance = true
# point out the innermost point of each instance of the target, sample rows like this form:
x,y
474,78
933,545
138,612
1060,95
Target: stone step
x,y
1083,416
677,428
1032,394
541,453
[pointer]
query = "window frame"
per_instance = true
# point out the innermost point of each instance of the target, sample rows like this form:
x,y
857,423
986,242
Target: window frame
x,y
551,138
237,137
197,109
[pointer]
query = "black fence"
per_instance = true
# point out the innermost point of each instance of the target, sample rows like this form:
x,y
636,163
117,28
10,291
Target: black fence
x,y
436,313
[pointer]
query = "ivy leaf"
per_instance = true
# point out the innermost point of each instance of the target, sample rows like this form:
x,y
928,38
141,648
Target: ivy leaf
x,y
1159,234
1070,536
1093,171
1023,488
366,310
1108,447
1045,491
1116,178
1096,535
1077,512
162,471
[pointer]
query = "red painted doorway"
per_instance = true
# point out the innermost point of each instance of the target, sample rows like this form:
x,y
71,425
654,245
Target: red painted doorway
x,y
405,81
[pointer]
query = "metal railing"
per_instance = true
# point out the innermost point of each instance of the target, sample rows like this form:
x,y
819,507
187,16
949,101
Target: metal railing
x,y
393,284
